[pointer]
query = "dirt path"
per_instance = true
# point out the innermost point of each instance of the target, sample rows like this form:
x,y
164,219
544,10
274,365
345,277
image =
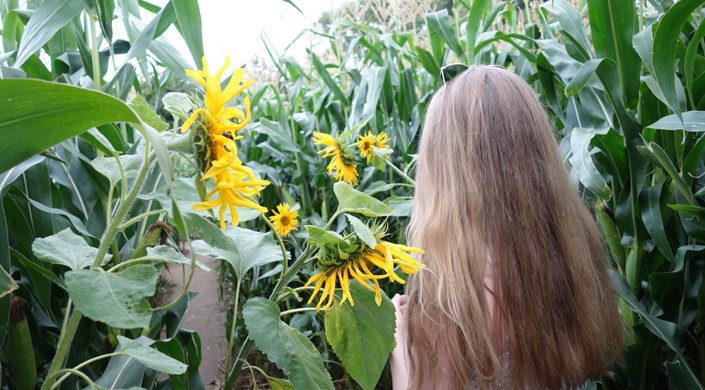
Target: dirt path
x,y
206,315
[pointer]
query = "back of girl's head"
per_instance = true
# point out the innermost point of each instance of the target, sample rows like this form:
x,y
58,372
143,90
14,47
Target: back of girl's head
x,y
492,197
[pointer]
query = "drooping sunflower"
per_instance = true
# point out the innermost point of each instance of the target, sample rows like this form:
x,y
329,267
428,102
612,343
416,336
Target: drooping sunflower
x,y
235,184
359,265
368,142
285,220
342,165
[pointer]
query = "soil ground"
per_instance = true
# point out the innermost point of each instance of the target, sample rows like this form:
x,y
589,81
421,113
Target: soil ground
x,y
205,315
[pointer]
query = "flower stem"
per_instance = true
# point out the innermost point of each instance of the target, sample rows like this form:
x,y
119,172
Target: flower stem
x,y
399,171
63,346
285,262
231,340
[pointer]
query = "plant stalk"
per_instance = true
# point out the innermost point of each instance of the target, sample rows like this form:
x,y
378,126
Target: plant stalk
x,y
231,341
63,347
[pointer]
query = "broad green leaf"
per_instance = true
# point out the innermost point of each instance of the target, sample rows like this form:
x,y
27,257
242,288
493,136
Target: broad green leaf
x,y
402,205
178,103
162,153
658,156
666,39
650,199
285,346
172,256
151,358
108,167
585,73
189,16
441,24
172,348
681,376
37,267
361,335
65,248
581,160
689,62
31,107
244,249
321,237
147,114
12,28
352,200
572,24
662,329
117,299
279,384
140,42
478,10
122,372
693,121
327,79
7,284
362,231
613,24
49,18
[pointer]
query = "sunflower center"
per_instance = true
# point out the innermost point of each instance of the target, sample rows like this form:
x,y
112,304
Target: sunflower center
x,y
284,220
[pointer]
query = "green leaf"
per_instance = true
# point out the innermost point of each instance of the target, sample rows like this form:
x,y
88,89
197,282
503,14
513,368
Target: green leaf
x,y
328,80
46,21
285,346
613,24
666,38
478,10
352,200
693,121
440,23
279,384
581,160
662,329
65,248
362,231
244,249
7,284
189,16
680,376
149,357
650,199
108,167
173,256
32,107
147,114
178,103
689,62
584,74
658,156
572,24
117,299
361,335
321,237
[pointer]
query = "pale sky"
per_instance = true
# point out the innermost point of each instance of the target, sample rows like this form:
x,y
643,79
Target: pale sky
x,y
233,28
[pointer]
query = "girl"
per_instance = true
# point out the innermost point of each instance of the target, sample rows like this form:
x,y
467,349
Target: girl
x,y
515,293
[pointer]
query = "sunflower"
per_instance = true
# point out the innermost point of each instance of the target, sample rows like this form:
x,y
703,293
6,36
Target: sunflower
x,y
368,142
235,184
358,266
285,220
342,166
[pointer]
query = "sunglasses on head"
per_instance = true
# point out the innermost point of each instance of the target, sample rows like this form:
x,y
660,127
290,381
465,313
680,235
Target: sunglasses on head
x,y
448,72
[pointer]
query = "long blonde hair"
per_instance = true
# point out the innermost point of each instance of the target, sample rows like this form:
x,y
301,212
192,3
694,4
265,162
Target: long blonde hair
x,y
492,194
